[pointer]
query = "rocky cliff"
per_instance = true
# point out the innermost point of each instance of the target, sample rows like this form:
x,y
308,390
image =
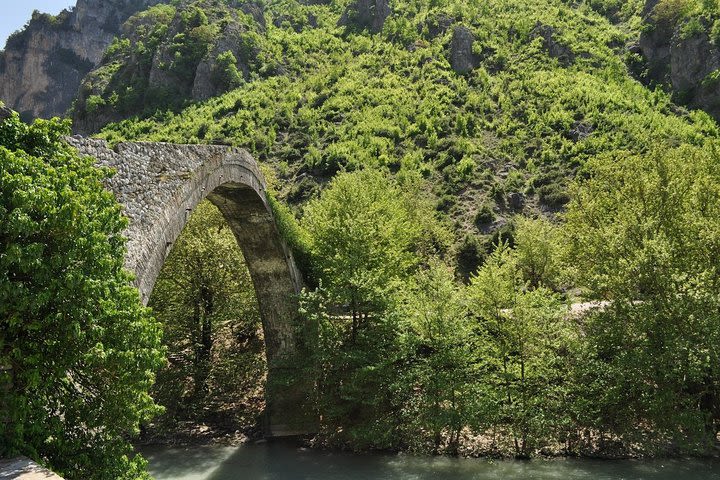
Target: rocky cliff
x,y
681,51
42,66
366,14
169,55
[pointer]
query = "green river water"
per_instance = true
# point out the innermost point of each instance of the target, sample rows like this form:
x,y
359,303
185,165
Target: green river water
x,y
286,462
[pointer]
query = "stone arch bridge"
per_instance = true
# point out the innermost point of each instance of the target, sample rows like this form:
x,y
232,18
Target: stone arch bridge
x,y
159,186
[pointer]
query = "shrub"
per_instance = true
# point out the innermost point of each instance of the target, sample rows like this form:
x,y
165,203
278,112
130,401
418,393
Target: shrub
x,y
227,74
670,12
93,103
691,28
485,215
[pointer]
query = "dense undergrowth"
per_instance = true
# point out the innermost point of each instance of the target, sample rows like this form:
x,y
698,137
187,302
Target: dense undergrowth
x,y
410,359
213,383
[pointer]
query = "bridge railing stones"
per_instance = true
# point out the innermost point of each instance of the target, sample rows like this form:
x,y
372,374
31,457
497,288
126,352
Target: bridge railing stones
x,y
159,186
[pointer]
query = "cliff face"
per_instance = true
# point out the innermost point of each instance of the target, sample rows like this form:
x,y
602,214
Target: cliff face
x,y
42,66
683,53
169,55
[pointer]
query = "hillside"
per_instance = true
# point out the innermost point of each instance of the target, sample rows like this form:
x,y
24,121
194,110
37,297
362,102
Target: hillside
x,y
496,104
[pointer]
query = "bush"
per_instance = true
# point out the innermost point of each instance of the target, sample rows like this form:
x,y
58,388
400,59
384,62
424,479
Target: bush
x,y
485,215
691,28
715,32
227,74
93,103
670,12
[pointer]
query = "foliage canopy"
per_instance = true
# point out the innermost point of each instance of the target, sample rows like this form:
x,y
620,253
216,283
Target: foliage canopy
x,y
78,350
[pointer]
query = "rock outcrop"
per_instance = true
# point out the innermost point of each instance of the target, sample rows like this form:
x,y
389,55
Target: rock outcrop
x,y
462,58
366,15
687,61
655,43
5,113
166,56
207,81
42,66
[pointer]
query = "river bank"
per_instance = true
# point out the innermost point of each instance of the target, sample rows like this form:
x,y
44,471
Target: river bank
x,y
283,461
491,447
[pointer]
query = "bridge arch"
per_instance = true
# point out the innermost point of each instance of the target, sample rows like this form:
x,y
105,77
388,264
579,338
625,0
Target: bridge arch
x,y
159,186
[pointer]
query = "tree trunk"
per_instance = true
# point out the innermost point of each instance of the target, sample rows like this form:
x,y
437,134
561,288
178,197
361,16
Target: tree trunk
x,y
203,319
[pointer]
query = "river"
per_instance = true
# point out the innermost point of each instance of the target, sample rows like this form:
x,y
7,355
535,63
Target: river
x,y
286,462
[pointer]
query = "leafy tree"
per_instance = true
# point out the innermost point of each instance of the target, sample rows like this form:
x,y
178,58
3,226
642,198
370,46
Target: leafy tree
x,y
361,237
522,336
359,397
364,240
644,232
540,251
439,375
227,73
78,350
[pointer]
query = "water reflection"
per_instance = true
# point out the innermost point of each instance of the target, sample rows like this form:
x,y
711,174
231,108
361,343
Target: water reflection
x,y
285,462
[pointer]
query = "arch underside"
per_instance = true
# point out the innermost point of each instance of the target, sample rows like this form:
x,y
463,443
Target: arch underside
x,y
160,186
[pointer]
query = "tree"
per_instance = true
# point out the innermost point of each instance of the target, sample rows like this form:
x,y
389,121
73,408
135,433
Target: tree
x,y
539,251
645,236
363,235
439,378
226,72
78,350
522,337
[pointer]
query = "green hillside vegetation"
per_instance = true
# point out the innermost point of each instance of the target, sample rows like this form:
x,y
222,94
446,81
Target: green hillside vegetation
x,y
451,179
552,89
409,163
154,65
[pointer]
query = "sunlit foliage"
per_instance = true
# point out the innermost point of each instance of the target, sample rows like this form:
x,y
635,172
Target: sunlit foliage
x,y
78,351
